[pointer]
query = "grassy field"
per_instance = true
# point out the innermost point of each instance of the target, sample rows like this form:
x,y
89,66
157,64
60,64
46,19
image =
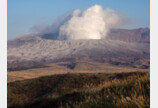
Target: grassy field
x,y
82,90
61,68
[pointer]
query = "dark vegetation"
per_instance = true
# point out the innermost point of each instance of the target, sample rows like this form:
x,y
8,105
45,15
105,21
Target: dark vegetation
x,y
25,66
123,90
70,65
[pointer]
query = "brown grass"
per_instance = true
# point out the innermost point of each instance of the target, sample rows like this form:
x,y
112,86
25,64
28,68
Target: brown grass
x,y
83,67
123,90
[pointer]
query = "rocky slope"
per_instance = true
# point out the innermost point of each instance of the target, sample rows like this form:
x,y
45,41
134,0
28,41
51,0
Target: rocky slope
x,y
122,47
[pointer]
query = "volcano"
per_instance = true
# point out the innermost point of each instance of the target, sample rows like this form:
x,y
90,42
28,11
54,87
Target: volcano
x,y
122,47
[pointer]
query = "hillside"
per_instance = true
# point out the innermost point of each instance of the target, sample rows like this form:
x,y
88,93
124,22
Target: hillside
x,y
124,47
82,90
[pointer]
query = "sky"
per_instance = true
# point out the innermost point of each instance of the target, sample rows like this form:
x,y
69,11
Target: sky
x,y
24,14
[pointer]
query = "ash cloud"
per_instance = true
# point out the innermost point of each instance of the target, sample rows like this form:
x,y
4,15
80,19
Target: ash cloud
x,y
92,23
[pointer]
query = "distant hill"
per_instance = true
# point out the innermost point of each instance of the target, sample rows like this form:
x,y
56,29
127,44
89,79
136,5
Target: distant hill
x,y
134,35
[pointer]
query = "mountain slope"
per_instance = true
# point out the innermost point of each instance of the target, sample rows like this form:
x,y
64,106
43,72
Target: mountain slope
x,y
122,47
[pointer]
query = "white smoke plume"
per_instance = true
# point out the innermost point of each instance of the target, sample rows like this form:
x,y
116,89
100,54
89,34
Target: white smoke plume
x,y
92,23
